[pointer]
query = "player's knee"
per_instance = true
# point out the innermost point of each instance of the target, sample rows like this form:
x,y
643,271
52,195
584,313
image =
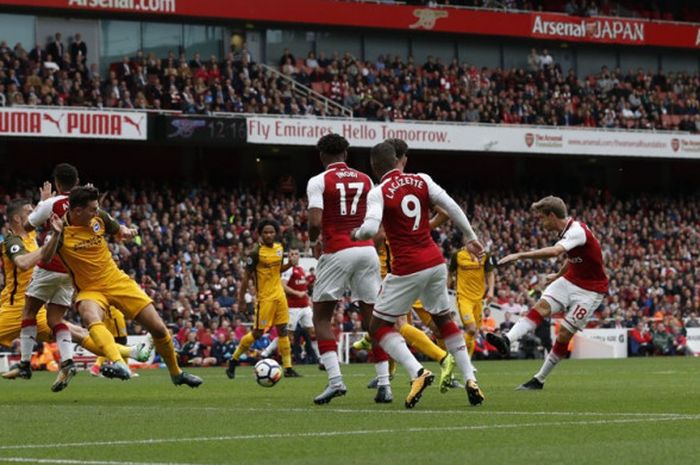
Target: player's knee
x,y
282,330
564,335
159,330
470,329
543,307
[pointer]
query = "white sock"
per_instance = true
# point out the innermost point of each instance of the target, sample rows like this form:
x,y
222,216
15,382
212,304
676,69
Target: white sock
x,y
65,344
332,364
456,346
549,363
270,348
314,346
27,341
382,369
521,328
394,345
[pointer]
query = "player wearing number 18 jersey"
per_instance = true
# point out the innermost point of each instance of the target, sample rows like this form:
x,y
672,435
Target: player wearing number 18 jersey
x,y
401,202
577,289
337,205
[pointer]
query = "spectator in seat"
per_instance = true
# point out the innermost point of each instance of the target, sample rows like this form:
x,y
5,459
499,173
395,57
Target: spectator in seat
x,y
692,321
640,341
507,323
78,50
663,340
38,54
287,57
56,49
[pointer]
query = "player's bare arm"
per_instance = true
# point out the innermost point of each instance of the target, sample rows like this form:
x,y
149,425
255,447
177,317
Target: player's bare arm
x,y
244,287
46,191
439,219
538,254
315,218
48,250
125,233
29,260
285,266
550,278
491,283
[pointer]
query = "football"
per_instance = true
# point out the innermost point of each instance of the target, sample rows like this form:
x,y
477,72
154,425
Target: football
x,y
267,372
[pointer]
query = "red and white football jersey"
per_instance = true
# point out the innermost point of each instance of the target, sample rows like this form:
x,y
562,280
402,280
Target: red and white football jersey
x,y
402,202
296,279
585,258
40,217
341,192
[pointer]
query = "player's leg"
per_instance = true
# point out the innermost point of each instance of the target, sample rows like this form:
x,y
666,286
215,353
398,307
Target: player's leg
x,y
581,305
262,316
330,285
10,327
385,335
281,321
554,298
398,294
274,344
163,343
28,331
467,310
92,314
62,335
559,351
81,336
421,342
436,302
365,280
270,349
328,349
285,349
38,292
118,328
306,322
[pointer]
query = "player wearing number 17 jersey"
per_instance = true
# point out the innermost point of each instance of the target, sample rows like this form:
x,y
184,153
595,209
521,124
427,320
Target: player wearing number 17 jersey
x,y
337,205
401,202
577,289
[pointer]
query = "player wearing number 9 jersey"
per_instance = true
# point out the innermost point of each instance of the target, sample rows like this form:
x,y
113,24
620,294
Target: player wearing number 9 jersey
x,y
337,205
577,289
401,202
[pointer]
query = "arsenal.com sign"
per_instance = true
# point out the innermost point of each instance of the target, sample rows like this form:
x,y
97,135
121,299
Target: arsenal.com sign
x,y
76,124
477,138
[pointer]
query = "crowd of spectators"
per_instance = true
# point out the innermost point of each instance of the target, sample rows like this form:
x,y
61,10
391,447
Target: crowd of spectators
x,y
390,88
192,242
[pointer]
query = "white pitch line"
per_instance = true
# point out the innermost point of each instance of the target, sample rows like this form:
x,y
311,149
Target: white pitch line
x,y
318,434
322,409
83,462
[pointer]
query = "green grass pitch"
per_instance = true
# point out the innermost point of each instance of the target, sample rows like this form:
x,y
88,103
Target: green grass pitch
x,y
609,412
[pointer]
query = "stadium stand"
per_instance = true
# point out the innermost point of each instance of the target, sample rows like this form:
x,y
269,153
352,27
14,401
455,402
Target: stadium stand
x,y
390,88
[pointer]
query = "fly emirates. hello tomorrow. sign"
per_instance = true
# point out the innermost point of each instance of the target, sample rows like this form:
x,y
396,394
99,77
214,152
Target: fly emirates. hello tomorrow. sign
x,y
476,138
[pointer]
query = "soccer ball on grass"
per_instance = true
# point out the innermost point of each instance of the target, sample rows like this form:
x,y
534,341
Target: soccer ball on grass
x,y
267,372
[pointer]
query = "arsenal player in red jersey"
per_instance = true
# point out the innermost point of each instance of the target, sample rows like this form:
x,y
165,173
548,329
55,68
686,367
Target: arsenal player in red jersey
x,y
51,285
401,203
577,289
337,205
